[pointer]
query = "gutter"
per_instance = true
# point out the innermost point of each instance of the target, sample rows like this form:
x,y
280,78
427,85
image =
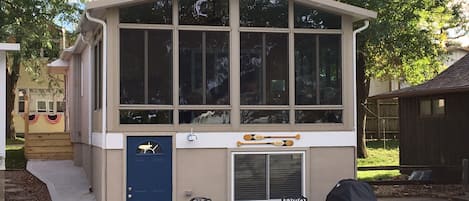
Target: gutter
x,y
104,96
367,24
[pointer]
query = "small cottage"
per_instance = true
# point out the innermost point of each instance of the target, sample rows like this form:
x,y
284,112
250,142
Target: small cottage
x,y
226,99
434,120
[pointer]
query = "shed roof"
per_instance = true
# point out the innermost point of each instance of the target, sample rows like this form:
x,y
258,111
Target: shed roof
x,y
329,5
453,79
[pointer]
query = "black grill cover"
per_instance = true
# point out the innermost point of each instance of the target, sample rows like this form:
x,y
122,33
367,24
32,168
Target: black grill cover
x,y
351,190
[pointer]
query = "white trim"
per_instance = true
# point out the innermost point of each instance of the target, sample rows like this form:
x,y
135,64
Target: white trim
x,y
229,139
9,46
113,140
3,113
303,167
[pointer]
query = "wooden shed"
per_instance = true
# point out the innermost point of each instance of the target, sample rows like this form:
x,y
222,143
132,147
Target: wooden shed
x,y
434,121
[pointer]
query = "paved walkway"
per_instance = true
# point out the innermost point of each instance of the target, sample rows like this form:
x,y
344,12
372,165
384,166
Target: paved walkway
x,y
65,181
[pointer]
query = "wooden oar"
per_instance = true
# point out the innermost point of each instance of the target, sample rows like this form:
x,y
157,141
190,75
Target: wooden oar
x,y
249,137
287,143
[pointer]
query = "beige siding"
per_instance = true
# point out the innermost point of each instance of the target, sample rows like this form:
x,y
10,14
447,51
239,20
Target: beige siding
x,y
115,175
203,172
98,173
328,166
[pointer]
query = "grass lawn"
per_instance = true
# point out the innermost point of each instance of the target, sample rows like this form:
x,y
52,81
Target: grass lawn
x,y
378,156
15,154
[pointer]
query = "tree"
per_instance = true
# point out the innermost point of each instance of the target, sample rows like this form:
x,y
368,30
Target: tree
x,y
32,24
406,42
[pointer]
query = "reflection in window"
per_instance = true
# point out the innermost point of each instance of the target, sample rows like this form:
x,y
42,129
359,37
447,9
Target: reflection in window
x,y
267,176
318,75
306,17
204,117
204,68
156,12
318,116
264,116
263,13
146,116
204,12
264,69
146,67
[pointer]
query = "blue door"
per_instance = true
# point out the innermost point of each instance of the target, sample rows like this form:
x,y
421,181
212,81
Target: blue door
x,y
149,168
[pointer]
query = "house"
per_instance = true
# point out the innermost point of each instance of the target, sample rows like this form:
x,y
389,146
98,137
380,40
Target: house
x,y
384,116
231,100
433,119
46,101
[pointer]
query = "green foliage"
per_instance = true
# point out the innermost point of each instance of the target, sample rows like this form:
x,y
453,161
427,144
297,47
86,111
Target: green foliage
x,y
407,39
32,23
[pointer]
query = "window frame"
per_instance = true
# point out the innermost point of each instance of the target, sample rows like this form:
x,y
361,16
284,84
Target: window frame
x,y
235,106
232,168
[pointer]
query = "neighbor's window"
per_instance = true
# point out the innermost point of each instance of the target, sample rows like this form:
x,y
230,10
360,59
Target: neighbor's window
x,y
432,107
60,106
263,13
204,67
146,67
41,106
50,107
156,12
267,176
21,101
204,12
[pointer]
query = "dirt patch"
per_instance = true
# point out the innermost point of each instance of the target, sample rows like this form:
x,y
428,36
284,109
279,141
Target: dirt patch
x,y
22,185
434,190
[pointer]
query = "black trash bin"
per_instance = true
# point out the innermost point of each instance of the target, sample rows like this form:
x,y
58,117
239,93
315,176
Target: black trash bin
x,y
351,190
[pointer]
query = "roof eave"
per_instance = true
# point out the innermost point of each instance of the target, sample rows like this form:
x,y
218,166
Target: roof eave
x,y
330,5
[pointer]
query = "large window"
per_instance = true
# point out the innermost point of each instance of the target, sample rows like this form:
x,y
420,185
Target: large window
x,y
287,68
264,176
146,67
204,68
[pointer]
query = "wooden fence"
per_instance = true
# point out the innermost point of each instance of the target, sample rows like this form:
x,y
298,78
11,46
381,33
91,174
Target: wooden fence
x,y
382,119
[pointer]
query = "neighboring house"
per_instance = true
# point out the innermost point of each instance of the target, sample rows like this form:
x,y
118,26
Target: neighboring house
x,y
161,98
434,122
46,103
384,118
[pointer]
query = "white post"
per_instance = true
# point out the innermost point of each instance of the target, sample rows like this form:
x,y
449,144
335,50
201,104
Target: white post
x,y
3,113
3,95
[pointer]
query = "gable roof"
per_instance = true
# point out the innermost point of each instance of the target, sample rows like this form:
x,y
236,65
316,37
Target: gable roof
x,y
328,5
453,79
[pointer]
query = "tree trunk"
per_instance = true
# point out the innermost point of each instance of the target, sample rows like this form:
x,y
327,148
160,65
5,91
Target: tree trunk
x,y
12,78
363,89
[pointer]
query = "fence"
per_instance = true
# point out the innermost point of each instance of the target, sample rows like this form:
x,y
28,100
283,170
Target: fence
x,y
382,119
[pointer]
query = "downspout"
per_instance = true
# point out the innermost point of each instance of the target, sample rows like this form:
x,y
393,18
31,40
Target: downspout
x,y
90,109
104,96
367,24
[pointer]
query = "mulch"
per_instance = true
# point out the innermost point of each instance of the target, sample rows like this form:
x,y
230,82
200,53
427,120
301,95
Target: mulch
x,y
433,190
21,185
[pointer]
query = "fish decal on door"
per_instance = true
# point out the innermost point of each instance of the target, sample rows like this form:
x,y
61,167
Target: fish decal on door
x,y
149,148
